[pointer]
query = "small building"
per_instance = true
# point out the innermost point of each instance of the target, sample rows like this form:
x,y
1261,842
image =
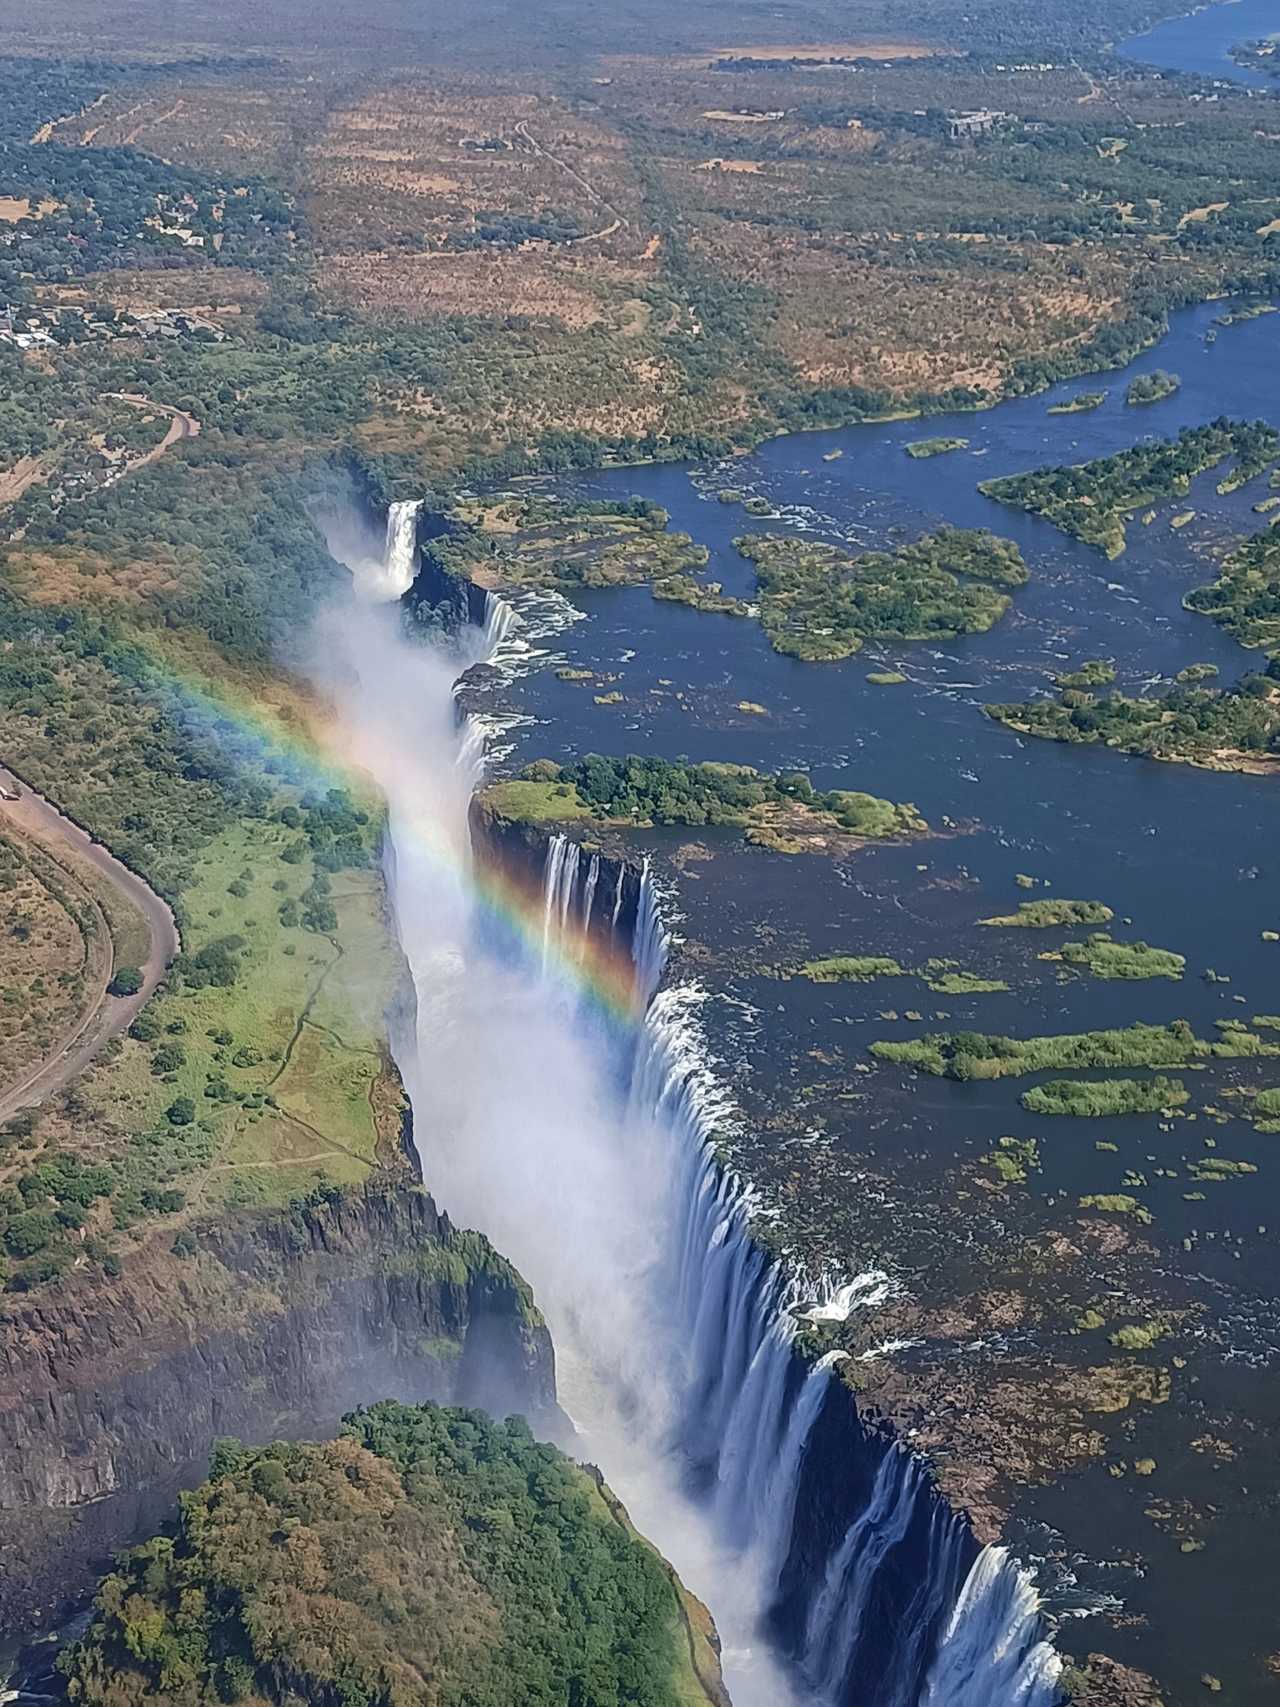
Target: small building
x,y
965,126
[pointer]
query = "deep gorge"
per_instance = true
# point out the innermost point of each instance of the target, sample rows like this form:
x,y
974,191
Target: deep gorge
x,y
743,1458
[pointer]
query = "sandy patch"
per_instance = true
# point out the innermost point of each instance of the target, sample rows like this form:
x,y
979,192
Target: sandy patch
x,y
1268,230
724,117
13,208
729,166
14,481
1199,214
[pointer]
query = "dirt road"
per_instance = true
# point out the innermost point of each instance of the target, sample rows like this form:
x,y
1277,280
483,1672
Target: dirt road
x,y
106,1016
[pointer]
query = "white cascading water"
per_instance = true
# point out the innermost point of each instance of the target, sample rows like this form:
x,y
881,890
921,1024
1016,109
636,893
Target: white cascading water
x,y
748,1413
587,1154
400,556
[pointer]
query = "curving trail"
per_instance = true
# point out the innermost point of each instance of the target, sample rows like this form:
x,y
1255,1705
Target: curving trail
x,y
107,1015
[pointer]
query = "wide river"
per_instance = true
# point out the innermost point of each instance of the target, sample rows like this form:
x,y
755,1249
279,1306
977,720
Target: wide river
x,y
1188,859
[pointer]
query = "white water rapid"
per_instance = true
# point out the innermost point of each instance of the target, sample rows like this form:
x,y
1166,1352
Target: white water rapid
x,y
583,1146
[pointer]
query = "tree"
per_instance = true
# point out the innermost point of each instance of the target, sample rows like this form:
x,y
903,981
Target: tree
x,y
181,1111
127,981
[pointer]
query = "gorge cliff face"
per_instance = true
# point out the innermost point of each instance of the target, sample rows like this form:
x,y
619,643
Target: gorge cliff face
x,y
112,1392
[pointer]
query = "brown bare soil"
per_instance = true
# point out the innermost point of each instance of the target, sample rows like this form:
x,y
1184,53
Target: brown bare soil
x,y
14,481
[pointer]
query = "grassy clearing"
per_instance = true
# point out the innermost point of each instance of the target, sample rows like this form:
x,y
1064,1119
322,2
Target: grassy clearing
x,y
280,1065
523,802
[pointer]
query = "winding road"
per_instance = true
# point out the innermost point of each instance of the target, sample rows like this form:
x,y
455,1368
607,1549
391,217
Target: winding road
x,y
106,1016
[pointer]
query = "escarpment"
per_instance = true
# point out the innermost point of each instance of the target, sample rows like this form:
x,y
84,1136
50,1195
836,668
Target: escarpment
x,y
113,1391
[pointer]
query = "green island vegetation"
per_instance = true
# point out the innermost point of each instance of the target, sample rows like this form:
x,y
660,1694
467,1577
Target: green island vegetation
x,y
1151,387
1192,675
1012,1159
1096,1098
783,813
885,678
1216,1170
701,595
921,448
978,1055
538,540
1052,914
1093,673
1246,311
1091,500
1232,728
1101,955
1245,597
940,975
423,1544
1113,1203
1137,1336
1258,54
947,982
1081,403
1265,1109
820,603
852,968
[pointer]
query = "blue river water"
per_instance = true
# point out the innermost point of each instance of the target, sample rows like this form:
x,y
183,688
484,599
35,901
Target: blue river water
x,y
1188,859
1201,42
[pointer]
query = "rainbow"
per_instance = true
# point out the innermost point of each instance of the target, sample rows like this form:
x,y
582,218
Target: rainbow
x,y
314,753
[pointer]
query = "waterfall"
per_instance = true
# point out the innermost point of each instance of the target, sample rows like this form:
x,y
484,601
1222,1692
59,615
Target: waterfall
x,y
500,621
991,1648
589,1151
399,564
906,1612
559,882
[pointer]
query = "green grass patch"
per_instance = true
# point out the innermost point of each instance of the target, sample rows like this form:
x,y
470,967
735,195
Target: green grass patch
x,y
1112,1203
1048,915
1105,958
852,969
920,448
981,1055
526,802
1082,401
965,984
279,1065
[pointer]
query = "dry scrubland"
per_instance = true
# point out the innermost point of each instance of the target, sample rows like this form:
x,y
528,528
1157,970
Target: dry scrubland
x,y
650,247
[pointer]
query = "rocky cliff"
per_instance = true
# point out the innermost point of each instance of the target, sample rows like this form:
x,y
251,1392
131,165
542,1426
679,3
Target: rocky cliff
x,y
112,1392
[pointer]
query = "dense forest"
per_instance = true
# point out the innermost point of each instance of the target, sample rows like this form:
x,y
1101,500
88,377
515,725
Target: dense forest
x,y
1223,727
820,603
1245,598
426,1558
639,790
1091,500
